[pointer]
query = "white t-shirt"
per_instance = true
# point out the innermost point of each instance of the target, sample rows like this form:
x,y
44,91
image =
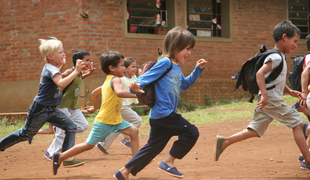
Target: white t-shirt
x,y
126,82
280,81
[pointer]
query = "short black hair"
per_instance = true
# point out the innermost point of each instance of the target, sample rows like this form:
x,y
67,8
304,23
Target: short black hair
x,y
308,42
285,27
79,54
110,58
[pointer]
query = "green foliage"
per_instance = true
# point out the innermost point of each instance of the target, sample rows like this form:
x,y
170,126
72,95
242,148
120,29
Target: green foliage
x,y
5,122
208,100
183,106
163,27
139,110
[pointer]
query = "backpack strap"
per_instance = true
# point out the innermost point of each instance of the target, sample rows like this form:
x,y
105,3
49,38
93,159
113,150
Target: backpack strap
x,y
165,73
276,72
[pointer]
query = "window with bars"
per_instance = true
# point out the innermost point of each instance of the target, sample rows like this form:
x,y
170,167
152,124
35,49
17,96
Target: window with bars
x,y
145,16
298,14
204,17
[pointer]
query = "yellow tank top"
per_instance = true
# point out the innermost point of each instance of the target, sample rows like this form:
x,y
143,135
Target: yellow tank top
x,y
111,104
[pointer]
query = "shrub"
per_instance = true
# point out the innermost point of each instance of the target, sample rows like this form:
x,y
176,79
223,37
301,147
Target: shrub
x,y
139,110
183,106
208,100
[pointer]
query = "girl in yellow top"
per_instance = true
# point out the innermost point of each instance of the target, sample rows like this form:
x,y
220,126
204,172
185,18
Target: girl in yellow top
x,y
109,118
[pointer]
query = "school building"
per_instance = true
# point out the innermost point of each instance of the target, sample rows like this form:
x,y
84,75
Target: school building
x,y
227,32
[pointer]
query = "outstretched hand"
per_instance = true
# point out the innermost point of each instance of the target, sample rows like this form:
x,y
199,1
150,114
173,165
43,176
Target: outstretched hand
x,y
201,63
135,87
89,70
80,65
89,110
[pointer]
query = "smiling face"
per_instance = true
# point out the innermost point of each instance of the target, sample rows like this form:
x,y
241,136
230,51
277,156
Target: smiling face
x,y
58,58
86,60
119,69
290,43
181,56
131,70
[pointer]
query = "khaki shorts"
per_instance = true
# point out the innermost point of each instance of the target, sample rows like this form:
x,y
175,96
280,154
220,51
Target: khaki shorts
x,y
275,109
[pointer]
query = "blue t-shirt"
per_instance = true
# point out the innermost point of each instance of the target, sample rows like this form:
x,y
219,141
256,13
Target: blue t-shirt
x,y
167,89
49,94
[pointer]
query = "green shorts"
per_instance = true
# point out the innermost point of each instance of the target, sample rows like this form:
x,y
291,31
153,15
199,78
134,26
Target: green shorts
x,y
275,109
100,131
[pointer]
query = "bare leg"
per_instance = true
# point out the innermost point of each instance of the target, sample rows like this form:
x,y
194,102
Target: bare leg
x,y
47,131
169,160
125,172
133,132
240,136
75,150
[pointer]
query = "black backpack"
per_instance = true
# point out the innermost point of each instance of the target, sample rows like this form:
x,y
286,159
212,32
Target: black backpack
x,y
295,74
247,75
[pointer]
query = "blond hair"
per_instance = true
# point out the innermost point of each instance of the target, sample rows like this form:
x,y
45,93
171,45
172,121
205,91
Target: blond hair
x,y
49,46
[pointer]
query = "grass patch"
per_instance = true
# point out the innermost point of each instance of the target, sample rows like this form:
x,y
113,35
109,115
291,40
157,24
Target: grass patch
x,y
221,111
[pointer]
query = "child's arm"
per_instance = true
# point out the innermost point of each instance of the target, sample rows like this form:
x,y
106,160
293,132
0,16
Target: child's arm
x,y
63,82
89,71
118,89
260,79
201,63
94,99
292,92
188,81
304,84
67,72
134,87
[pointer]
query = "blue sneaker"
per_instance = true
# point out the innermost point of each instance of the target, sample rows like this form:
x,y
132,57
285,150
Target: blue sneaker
x,y
118,175
102,149
170,170
55,160
300,158
303,165
48,156
305,125
125,143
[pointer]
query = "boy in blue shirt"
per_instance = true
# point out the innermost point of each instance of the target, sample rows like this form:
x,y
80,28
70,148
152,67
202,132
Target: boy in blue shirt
x,y
44,106
70,105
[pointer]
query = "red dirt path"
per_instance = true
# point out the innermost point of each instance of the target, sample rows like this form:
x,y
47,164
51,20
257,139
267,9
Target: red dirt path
x,y
272,157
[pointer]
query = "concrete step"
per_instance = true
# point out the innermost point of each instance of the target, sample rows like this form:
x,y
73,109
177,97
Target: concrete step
x,y
14,116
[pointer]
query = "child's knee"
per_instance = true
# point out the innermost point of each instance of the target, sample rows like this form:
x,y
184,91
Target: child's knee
x,y
135,131
82,128
194,132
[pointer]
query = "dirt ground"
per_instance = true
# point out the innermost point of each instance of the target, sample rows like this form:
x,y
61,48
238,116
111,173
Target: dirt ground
x,y
274,156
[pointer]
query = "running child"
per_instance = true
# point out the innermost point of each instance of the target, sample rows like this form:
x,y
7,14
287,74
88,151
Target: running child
x,y
127,113
270,104
70,105
109,118
44,106
164,120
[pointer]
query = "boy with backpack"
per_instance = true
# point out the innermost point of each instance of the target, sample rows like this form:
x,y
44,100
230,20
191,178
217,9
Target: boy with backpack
x,y
270,104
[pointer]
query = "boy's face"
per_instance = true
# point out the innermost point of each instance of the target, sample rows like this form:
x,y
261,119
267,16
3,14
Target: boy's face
x,y
131,69
86,60
58,58
291,43
119,69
